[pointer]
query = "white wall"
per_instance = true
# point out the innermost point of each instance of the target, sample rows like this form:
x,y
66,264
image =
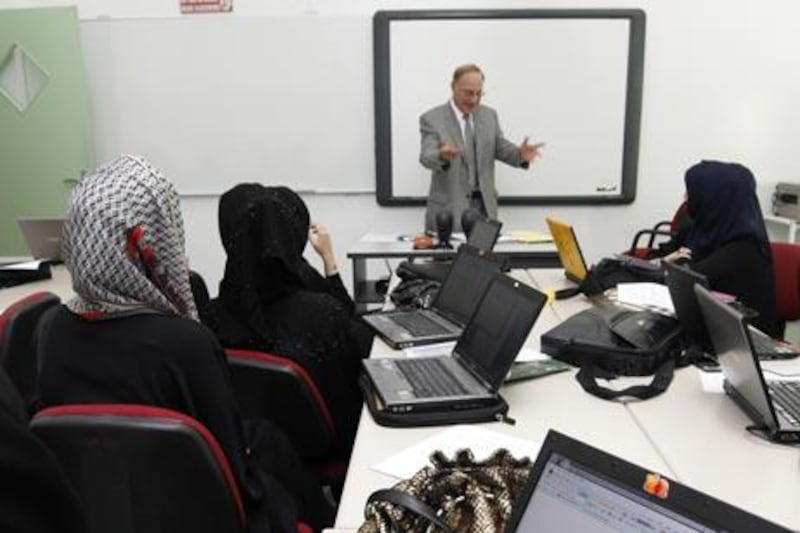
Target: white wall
x,y
721,81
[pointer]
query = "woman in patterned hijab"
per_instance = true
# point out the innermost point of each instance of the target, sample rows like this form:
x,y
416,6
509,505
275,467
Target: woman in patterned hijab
x,y
131,336
124,244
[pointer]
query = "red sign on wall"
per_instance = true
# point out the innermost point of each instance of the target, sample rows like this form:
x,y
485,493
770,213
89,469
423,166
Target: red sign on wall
x,y
206,6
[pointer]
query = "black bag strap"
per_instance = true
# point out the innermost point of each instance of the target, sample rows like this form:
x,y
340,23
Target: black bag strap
x,y
410,503
588,374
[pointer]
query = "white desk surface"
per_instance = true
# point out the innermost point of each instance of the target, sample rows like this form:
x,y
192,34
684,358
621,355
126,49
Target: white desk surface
x,y
554,401
702,437
60,285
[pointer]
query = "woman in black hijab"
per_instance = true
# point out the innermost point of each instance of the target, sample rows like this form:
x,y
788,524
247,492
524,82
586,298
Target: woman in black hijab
x,y
272,299
728,239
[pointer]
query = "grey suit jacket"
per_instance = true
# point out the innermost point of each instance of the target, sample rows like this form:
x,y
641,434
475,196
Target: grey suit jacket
x,y
450,188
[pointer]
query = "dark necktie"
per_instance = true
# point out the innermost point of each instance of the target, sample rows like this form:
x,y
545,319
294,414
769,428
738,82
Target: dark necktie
x,y
469,152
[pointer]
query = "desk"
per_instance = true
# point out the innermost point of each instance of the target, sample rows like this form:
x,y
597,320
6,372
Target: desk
x,y
520,255
554,401
60,285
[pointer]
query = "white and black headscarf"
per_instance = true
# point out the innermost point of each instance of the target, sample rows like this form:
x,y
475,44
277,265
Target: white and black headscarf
x,y
124,245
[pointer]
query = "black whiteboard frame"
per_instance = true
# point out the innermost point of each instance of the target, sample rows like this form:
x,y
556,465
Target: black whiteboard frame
x,y
383,98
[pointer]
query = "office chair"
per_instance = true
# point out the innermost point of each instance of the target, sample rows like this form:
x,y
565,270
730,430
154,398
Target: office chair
x,y
664,231
138,468
17,333
786,261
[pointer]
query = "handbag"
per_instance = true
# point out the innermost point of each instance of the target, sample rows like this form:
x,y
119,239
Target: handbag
x,y
588,341
461,495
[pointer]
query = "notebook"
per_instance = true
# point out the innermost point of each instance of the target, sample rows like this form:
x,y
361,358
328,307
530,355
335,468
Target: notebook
x,y
43,236
483,236
454,303
569,252
471,376
680,280
773,406
576,487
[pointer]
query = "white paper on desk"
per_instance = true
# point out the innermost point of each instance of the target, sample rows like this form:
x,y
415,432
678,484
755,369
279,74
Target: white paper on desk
x,y
381,237
711,381
482,442
431,350
28,265
645,294
530,354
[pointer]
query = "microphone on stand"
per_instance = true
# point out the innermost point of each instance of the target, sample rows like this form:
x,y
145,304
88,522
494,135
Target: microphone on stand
x,y
468,219
444,228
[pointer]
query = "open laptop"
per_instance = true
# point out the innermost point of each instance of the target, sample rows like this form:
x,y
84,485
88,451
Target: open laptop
x,y
472,375
483,236
680,280
774,406
569,252
43,236
576,487
455,301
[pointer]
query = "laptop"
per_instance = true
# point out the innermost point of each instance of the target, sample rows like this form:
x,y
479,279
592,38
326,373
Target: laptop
x,y
43,236
569,252
680,280
576,487
471,376
450,310
774,406
483,236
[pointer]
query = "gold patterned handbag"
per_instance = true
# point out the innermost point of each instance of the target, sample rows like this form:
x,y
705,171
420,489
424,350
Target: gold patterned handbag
x,y
461,495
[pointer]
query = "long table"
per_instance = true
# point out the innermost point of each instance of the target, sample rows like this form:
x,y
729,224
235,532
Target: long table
x,y
692,436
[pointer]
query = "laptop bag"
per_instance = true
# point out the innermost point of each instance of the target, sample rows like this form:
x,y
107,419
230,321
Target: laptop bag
x,y
587,340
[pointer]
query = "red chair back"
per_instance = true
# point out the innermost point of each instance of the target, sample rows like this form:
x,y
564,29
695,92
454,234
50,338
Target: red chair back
x,y
786,260
143,469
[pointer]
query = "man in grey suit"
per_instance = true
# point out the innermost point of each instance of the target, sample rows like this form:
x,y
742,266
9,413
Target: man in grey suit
x,y
460,141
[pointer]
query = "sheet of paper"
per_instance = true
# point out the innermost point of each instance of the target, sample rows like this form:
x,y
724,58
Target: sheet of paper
x,y
28,265
531,354
645,295
482,442
711,381
431,350
530,236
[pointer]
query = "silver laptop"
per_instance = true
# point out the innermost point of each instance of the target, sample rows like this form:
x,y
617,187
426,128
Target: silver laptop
x,y
774,406
43,236
576,487
455,301
471,376
680,280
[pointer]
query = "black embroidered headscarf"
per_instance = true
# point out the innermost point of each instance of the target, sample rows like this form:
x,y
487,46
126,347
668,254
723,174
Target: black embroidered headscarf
x,y
264,231
724,206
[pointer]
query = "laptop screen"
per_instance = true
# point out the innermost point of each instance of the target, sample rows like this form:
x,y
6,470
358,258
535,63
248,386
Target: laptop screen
x,y
43,236
731,339
680,281
484,234
575,487
471,269
499,328
568,250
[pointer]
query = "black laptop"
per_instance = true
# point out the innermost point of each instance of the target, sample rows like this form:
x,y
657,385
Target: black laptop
x,y
680,280
455,301
472,375
773,406
576,487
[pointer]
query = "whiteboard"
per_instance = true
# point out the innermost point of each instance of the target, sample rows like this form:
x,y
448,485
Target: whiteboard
x,y
569,78
218,100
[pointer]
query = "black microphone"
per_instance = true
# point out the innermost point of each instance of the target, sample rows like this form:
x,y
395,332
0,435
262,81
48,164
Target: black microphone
x,y
444,228
468,219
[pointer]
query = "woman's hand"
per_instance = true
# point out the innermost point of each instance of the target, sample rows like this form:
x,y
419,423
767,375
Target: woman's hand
x,y
321,241
680,254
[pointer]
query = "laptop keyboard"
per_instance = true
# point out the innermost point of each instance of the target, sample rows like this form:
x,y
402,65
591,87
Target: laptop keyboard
x,y
786,397
768,348
418,324
430,378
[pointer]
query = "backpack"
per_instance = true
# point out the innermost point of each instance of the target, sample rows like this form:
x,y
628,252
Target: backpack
x,y
611,271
